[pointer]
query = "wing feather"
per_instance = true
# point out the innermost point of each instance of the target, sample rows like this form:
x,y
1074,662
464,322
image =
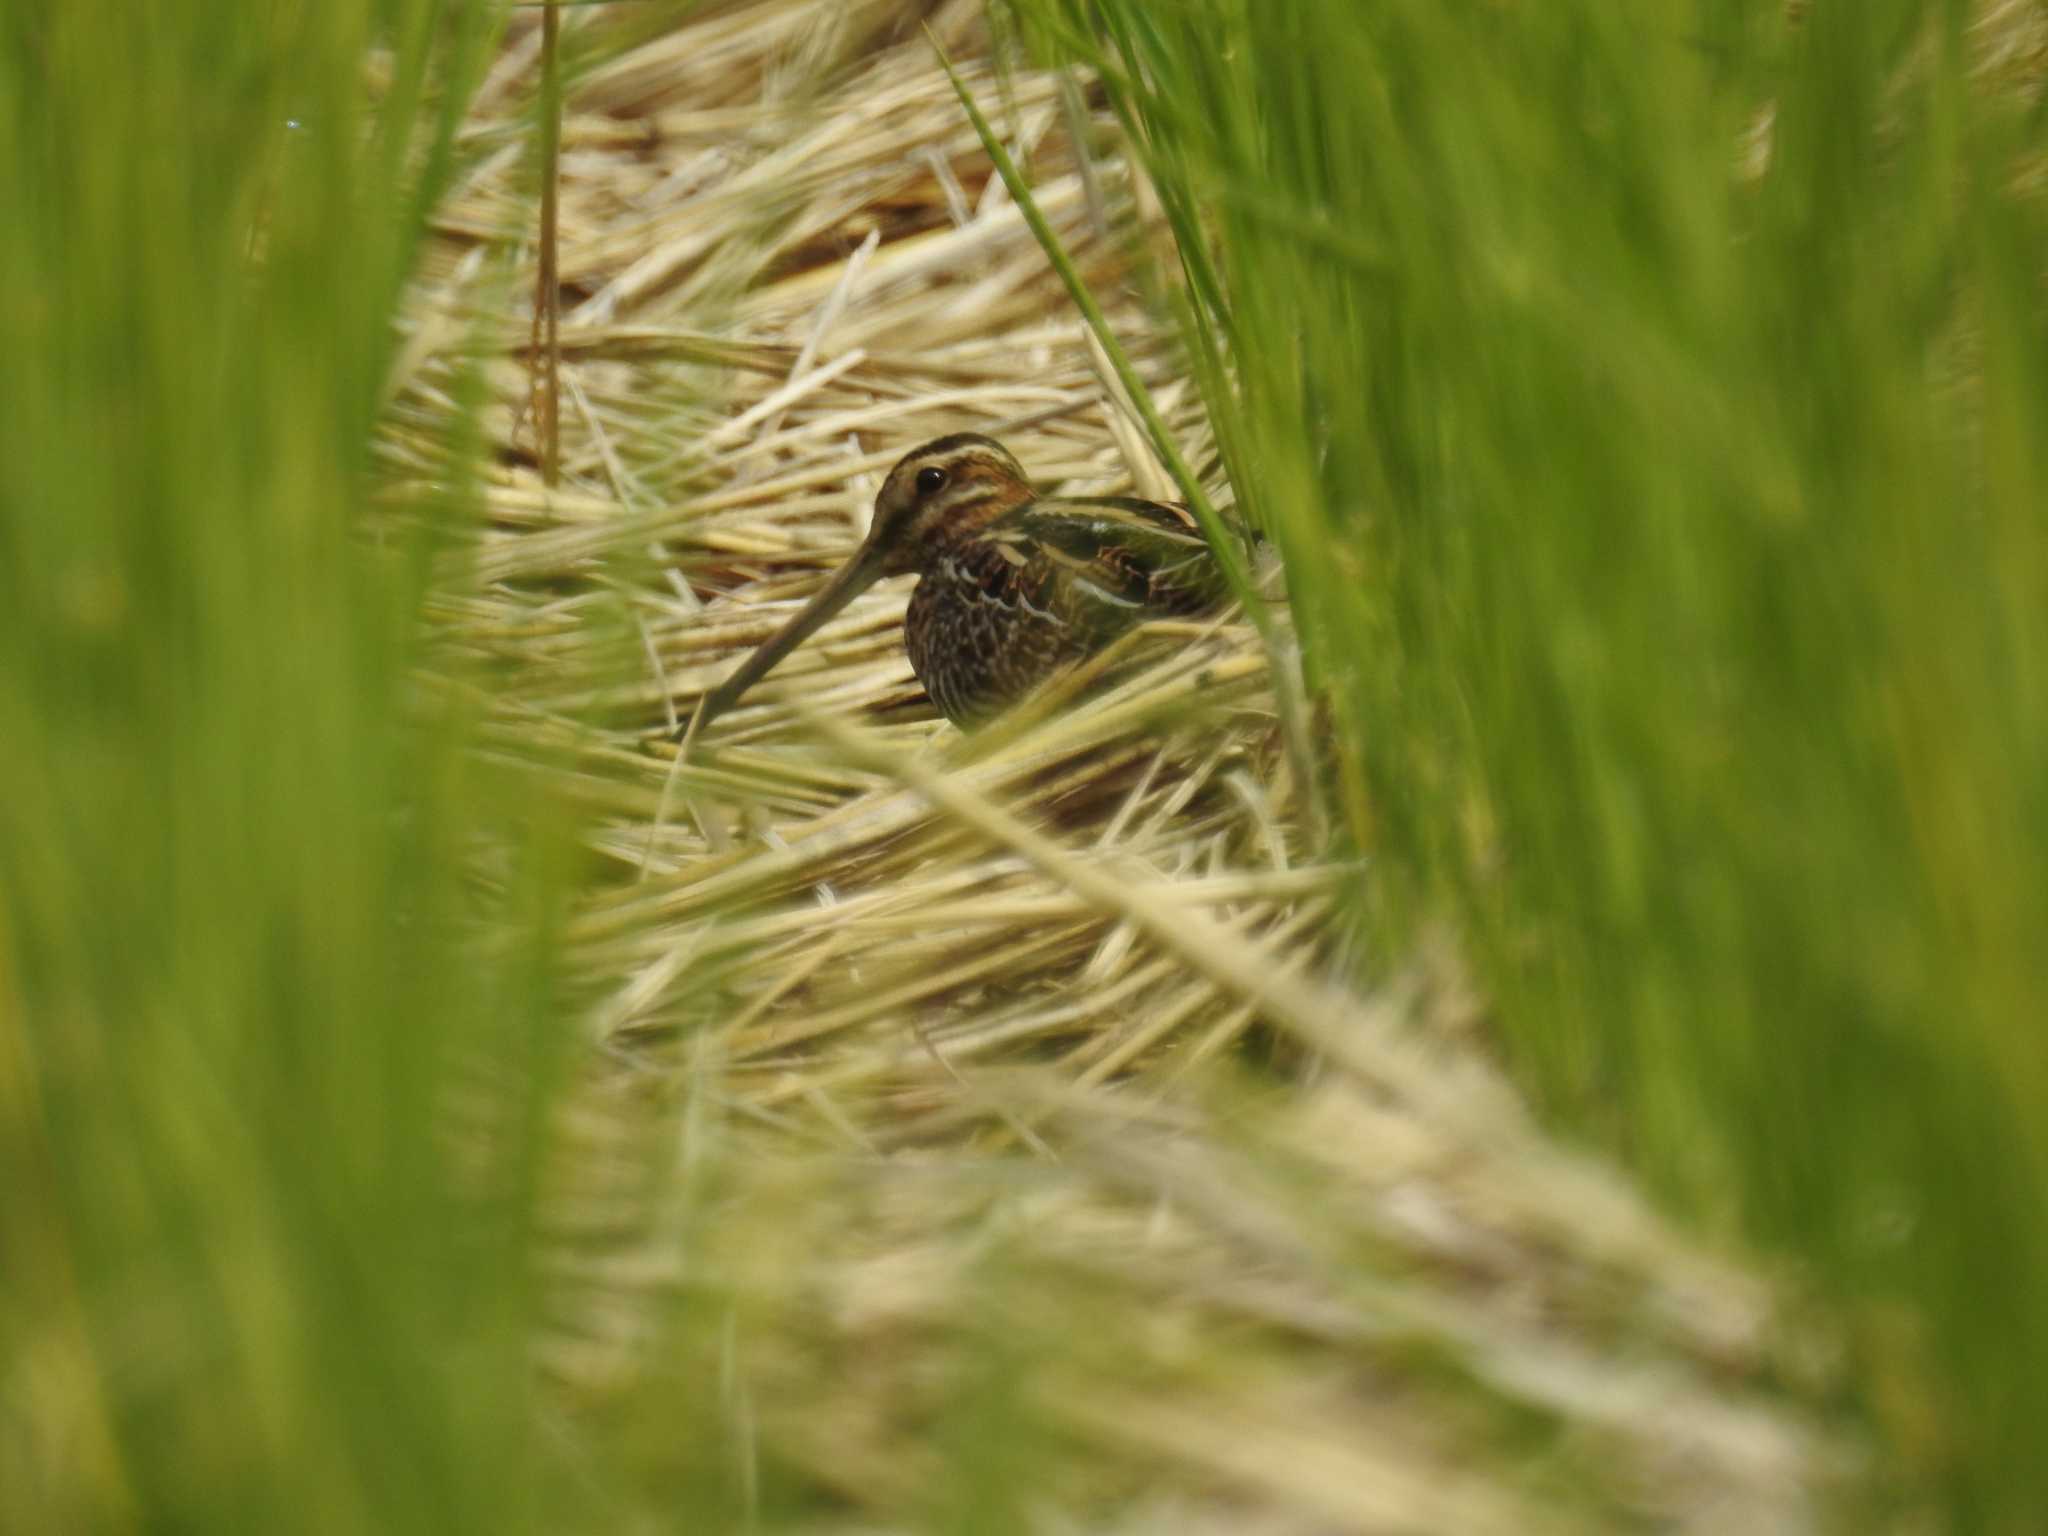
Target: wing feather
x,y
1117,559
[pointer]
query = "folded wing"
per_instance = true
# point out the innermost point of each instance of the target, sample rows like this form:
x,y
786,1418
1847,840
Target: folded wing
x,y
1111,562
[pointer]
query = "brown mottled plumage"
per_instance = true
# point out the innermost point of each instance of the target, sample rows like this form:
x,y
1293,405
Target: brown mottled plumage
x,y
1012,585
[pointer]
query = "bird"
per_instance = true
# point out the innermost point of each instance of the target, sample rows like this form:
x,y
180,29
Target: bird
x,y
1012,585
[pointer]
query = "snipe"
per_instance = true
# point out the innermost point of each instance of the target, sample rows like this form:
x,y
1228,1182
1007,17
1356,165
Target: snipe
x,y
1012,585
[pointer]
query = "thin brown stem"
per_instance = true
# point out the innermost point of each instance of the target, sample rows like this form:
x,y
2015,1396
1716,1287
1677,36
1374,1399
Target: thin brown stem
x,y
547,301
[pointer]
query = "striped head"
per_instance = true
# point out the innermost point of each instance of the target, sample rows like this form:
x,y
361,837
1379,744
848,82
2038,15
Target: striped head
x,y
950,487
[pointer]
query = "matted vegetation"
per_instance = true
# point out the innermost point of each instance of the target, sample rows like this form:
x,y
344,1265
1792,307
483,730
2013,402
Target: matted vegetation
x,y
442,1105
1125,1206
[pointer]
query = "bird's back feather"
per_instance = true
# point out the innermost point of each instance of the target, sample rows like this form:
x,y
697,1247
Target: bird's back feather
x,y
1046,584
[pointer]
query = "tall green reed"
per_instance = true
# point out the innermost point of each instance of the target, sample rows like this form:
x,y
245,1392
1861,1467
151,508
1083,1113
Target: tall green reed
x,y
236,1003
1649,403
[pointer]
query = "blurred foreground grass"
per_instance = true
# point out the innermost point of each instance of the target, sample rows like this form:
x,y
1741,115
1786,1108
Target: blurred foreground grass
x,y
1650,402
237,1294
291,1048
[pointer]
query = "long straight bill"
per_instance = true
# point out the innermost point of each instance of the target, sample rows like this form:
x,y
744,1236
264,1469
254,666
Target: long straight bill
x,y
854,578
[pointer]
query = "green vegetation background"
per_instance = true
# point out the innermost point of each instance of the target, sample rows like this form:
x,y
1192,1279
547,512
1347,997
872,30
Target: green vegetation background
x,y
1650,402
1669,538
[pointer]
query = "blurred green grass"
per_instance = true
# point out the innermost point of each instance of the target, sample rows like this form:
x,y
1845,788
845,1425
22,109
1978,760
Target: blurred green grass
x,y
1649,401
240,1291
1656,669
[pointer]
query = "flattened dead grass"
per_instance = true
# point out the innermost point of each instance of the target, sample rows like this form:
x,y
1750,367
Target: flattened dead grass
x,y
894,1031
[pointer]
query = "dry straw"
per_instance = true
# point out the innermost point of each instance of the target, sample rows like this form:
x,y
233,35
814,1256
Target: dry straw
x,y
1087,971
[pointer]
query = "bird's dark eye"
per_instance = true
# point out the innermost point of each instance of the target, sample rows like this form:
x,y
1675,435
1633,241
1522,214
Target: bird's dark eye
x,y
929,479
